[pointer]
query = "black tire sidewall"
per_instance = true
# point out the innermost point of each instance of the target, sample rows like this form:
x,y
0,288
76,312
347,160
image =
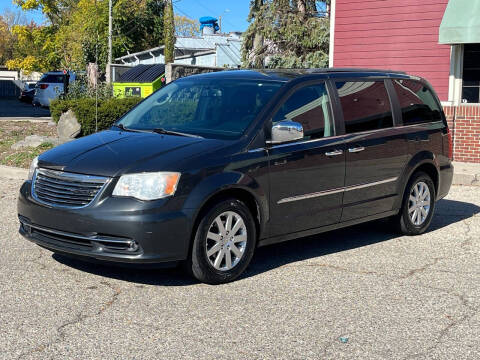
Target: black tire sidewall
x,y
406,223
200,266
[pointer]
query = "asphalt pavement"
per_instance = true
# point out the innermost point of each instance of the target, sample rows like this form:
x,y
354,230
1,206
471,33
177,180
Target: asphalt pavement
x,y
12,109
357,293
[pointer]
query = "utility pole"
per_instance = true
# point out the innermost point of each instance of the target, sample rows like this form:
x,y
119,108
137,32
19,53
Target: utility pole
x,y
109,61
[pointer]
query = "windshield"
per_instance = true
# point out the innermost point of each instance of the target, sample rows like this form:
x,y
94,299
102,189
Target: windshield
x,y
211,108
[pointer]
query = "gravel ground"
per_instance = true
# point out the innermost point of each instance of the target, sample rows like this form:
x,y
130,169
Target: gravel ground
x,y
357,293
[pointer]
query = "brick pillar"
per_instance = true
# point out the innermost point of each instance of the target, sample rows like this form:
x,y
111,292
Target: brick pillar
x,y
464,123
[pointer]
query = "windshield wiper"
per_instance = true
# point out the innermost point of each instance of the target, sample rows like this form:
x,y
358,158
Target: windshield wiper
x,y
177,133
123,127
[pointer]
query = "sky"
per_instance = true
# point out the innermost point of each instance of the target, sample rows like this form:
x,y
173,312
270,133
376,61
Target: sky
x,y
233,12
37,16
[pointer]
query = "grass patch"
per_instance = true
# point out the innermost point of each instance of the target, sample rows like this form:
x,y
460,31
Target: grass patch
x,y
12,132
24,157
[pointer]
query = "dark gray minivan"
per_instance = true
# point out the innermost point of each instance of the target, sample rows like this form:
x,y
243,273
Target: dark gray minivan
x,y
211,166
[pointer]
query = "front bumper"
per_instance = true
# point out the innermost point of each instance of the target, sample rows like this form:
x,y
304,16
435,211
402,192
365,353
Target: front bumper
x,y
113,229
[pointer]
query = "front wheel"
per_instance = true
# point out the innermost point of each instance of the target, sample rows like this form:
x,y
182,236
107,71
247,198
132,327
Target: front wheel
x,y
224,243
418,205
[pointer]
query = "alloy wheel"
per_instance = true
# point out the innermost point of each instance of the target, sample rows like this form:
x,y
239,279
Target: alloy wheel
x,y
419,203
226,241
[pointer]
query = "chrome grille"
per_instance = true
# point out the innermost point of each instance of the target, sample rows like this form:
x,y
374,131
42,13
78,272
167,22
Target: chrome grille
x,y
63,189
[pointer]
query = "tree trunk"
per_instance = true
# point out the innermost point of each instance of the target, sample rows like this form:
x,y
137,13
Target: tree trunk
x,y
301,6
258,39
169,31
257,51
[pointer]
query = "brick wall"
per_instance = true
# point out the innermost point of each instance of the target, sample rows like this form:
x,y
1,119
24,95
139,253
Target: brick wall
x,y
464,124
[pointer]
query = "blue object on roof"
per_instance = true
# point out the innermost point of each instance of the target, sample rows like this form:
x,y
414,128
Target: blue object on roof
x,y
209,21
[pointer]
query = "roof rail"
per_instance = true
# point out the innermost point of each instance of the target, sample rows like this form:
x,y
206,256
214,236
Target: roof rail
x,y
355,70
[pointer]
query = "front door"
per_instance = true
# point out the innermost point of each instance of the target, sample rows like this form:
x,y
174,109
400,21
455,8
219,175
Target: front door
x,y
307,176
376,151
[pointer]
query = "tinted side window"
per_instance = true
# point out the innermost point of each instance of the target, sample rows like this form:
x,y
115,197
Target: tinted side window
x,y
417,102
50,78
365,105
309,106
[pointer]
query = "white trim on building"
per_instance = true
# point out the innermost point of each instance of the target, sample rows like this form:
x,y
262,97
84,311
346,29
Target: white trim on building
x,y
456,74
332,33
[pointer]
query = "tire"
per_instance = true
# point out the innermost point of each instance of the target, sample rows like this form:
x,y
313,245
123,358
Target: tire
x,y
219,257
406,221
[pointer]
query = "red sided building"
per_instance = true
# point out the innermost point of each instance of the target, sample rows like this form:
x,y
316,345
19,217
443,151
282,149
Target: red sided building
x,y
438,40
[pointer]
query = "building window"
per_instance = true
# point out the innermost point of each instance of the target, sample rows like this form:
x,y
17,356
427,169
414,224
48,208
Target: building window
x,y
471,74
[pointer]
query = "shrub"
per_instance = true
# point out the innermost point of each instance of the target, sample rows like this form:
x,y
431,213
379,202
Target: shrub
x,y
80,89
108,111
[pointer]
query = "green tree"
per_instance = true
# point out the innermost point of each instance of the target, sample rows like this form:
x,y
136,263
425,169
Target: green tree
x,y
8,20
78,32
34,49
169,33
138,25
7,40
55,10
286,34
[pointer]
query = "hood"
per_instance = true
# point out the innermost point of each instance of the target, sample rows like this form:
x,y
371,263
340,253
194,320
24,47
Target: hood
x,y
112,153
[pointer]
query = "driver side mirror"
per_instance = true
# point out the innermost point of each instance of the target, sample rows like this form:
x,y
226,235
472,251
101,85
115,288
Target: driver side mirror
x,y
286,131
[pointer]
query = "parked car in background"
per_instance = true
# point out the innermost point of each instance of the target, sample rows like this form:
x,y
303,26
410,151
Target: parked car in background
x,y
211,166
50,86
28,92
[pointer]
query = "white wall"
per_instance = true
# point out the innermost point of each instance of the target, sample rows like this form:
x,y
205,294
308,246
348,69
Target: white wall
x,y
8,75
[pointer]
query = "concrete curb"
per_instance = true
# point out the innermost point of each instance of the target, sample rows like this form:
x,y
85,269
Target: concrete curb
x,y
11,172
466,174
41,119
466,179
460,177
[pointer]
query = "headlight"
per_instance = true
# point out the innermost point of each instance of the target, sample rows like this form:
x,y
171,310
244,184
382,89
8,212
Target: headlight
x,y
33,167
147,186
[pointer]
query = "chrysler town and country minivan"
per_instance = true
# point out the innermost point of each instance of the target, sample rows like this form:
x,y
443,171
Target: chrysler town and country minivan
x,y
211,166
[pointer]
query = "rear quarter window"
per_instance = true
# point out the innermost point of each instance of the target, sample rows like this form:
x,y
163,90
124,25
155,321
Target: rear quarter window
x,y
55,79
417,102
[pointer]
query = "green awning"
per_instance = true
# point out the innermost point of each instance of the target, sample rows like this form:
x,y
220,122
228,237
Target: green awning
x,y
460,23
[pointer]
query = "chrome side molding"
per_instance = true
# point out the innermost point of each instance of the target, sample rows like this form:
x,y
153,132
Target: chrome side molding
x,y
335,191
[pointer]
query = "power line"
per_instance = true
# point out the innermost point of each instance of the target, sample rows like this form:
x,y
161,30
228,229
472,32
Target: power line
x,y
181,11
214,12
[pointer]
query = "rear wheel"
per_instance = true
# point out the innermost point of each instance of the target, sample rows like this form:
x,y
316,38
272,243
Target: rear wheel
x,y
418,205
224,243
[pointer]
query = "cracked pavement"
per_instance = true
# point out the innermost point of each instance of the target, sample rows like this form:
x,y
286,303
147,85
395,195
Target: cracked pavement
x,y
386,295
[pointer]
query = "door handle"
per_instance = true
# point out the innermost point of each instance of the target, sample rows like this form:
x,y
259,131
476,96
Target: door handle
x,y
334,153
356,149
